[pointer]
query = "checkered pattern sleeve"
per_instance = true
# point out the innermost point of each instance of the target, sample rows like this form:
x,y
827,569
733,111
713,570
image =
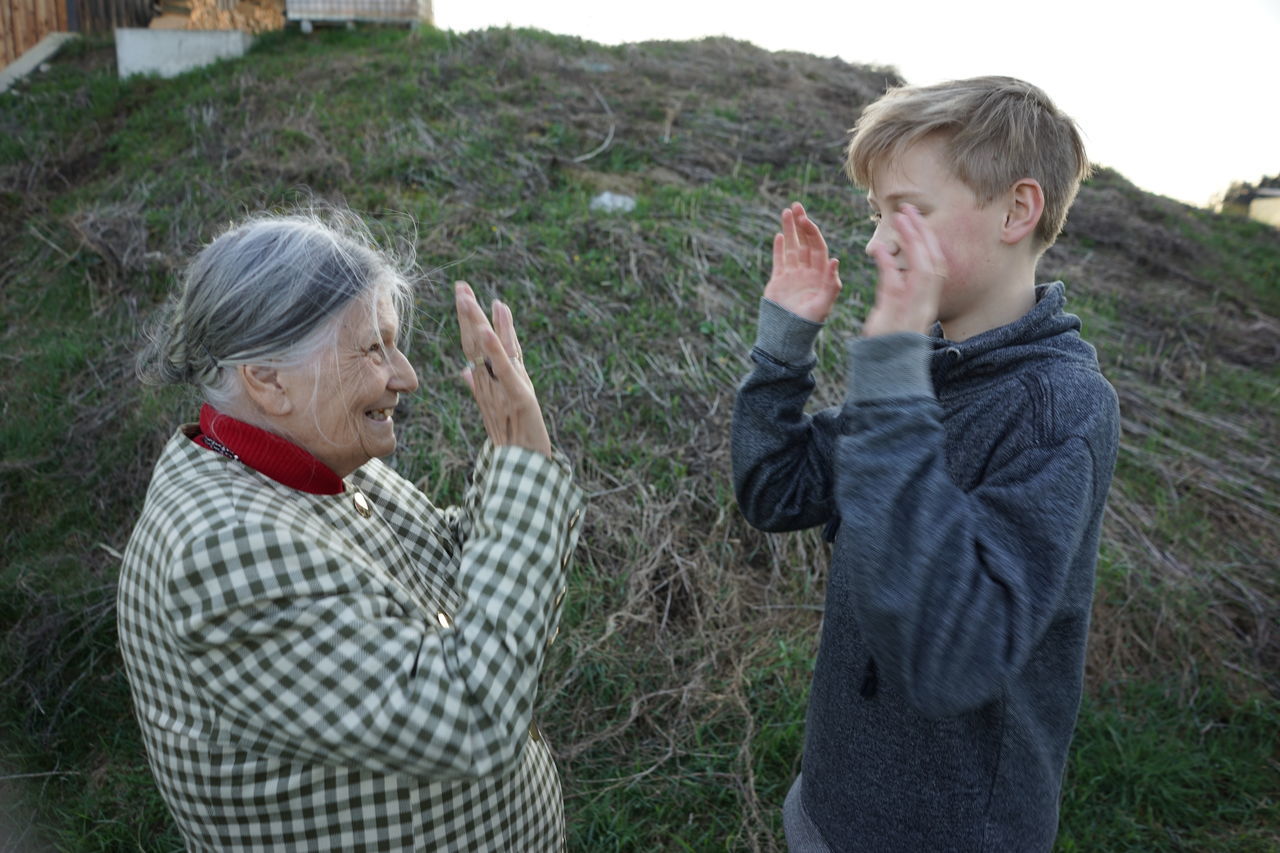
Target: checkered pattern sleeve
x,y
305,661
459,518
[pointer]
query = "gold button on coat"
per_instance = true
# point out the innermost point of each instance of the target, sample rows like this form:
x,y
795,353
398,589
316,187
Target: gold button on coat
x,y
362,504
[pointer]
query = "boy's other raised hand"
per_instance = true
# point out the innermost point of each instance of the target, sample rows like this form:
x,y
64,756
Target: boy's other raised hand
x,y
910,283
805,280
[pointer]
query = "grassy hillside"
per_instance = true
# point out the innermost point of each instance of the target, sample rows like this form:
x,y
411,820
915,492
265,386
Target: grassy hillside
x,y
675,696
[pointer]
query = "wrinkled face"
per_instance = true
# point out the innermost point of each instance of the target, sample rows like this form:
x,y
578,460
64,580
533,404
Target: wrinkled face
x,y
967,231
346,399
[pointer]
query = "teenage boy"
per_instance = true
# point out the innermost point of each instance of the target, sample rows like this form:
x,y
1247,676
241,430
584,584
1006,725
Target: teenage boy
x,y
961,483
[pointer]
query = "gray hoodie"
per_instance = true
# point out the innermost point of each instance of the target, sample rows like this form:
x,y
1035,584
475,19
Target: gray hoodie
x,y
962,485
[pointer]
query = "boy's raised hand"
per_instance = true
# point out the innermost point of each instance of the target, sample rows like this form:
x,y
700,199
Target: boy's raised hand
x,y
910,284
805,280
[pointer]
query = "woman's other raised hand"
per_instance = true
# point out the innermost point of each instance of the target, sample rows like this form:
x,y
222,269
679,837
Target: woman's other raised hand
x,y
496,375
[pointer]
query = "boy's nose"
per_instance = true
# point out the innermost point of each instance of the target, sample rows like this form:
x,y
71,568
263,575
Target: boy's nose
x,y
885,237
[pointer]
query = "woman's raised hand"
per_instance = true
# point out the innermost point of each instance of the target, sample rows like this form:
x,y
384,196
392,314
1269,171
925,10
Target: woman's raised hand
x,y
805,280
496,375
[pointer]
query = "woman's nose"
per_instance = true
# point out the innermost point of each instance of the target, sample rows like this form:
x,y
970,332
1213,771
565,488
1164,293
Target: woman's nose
x,y
404,378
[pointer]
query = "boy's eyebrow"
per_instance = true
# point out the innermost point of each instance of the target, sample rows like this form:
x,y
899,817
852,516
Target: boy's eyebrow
x,y
891,198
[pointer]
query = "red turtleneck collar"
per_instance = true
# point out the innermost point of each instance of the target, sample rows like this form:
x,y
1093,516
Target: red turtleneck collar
x,y
266,453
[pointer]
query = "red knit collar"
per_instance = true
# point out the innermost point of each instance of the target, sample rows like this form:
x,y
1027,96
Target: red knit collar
x,y
266,453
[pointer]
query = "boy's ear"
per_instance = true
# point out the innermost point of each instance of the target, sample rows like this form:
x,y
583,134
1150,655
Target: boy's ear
x,y
265,389
1022,214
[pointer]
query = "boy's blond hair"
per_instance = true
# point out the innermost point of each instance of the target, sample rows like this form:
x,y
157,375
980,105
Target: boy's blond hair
x,y
997,131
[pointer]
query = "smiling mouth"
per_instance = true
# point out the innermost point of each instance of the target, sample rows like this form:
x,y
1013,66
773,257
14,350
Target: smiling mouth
x,y
380,414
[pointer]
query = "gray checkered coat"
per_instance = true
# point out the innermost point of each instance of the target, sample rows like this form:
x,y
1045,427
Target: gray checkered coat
x,y
353,671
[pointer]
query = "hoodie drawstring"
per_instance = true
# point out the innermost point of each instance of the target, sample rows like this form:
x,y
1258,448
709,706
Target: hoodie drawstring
x,y
870,680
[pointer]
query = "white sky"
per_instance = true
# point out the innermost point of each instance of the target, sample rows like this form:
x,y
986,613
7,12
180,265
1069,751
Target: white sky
x,y
1181,96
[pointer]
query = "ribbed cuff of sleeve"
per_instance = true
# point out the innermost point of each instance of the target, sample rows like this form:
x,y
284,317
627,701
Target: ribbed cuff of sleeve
x,y
787,338
889,367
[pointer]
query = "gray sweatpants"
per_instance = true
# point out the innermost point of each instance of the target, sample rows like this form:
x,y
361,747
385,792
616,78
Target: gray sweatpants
x,y
802,835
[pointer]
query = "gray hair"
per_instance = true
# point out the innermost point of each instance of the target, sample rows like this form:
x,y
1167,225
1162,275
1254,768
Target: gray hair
x,y
268,291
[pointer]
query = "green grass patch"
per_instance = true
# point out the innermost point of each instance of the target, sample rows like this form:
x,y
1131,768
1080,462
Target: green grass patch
x,y
1152,770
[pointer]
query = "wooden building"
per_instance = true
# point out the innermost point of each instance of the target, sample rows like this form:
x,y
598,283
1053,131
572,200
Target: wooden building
x,y
24,22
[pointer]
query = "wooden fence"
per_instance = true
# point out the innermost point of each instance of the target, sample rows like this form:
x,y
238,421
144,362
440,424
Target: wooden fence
x,y
24,22
101,16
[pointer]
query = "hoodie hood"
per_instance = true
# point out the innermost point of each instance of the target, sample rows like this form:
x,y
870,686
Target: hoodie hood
x,y
1047,331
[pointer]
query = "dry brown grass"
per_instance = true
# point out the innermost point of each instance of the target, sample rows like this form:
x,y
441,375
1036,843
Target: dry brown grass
x,y
691,634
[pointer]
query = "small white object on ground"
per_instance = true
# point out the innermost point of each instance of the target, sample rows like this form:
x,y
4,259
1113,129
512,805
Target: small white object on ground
x,y
613,202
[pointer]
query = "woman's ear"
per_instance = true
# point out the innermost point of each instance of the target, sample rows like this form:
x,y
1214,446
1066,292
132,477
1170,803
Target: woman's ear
x,y
264,388
1024,206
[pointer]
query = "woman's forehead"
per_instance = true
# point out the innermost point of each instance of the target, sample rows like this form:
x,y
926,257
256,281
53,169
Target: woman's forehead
x,y
378,312
385,307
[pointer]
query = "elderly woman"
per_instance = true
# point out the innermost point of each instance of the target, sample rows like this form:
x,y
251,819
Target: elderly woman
x,y
320,658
